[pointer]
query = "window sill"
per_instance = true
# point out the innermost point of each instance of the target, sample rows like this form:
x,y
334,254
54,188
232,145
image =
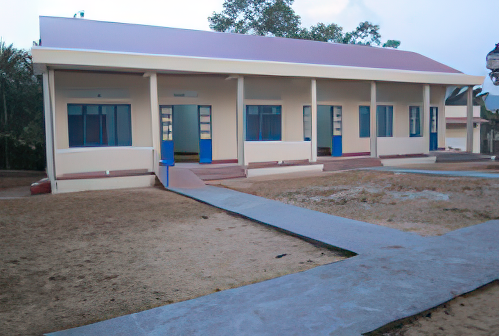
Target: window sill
x,y
107,148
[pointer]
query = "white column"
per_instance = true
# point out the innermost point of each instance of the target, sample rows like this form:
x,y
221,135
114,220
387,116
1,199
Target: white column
x,y
426,117
49,131
313,116
156,144
373,122
469,120
240,121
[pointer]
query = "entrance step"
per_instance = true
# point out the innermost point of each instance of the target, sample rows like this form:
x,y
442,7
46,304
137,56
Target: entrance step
x,y
219,173
460,157
391,162
284,169
345,164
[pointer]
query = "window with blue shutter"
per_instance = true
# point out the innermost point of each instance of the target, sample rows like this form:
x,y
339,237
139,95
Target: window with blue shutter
x,y
92,125
263,122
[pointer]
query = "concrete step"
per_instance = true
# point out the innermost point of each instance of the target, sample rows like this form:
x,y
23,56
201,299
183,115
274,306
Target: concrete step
x,y
219,173
344,164
460,157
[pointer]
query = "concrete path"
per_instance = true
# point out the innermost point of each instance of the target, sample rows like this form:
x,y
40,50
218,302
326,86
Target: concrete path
x,y
395,275
455,173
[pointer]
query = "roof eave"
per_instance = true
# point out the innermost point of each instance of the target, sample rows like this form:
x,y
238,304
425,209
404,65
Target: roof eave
x,y
148,62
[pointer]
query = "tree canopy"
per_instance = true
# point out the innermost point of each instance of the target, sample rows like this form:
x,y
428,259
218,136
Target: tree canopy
x,y
21,111
277,18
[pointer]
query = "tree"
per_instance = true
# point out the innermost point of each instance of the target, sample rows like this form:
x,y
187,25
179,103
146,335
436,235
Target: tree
x,y
321,32
258,17
391,44
366,33
277,18
21,107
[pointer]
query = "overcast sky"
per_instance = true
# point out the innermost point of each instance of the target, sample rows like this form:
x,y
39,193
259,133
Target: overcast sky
x,y
458,33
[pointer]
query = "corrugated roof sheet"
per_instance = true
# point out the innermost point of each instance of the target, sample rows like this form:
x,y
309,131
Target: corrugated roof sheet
x,y
70,33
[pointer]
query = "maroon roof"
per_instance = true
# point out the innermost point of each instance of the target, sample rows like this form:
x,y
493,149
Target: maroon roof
x,y
70,33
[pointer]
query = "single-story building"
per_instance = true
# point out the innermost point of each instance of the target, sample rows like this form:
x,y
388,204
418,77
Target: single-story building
x,y
123,99
456,120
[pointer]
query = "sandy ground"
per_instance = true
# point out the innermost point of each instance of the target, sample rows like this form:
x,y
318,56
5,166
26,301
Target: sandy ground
x,y
427,205
73,259
472,314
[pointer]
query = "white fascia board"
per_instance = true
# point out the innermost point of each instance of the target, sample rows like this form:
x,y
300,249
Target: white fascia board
x,y
148,62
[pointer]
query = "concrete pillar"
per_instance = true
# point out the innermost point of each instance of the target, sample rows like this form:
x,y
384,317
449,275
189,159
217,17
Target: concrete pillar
x,y
313,116
373,122
49,131
240,120
469,120
156,143
426,117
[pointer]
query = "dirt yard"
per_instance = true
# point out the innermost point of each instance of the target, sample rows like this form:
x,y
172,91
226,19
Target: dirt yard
x,y
423,204
427,205
72,259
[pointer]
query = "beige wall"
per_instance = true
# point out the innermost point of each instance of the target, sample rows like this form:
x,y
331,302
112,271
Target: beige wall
x,y
460,111
349,95
216,91
456,138
265,151
102,88
291,93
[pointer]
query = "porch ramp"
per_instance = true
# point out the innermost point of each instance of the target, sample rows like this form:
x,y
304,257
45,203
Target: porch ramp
x,y
175,177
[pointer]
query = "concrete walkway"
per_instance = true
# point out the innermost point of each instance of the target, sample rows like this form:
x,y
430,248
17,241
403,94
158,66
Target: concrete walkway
x,y
395,275
455,173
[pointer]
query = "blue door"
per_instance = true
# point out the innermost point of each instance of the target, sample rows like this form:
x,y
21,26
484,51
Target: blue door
x,y
205,151
337,142
167,154
433,128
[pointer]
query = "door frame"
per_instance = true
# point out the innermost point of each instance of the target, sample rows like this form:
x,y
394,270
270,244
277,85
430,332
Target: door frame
x,y
168,147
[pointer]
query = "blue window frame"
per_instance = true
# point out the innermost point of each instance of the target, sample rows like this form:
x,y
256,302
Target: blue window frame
x,y
414,121
364,121
263,122
384,119
307,123
92,125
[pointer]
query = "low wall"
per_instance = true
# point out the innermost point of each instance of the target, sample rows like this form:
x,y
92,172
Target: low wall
x,y
66,186
265,151
402,146
82,160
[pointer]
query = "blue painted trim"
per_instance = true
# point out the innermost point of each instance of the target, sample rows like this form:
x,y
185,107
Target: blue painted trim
x,y
167,154
101,139
205,145
205,151
337,145
434,135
